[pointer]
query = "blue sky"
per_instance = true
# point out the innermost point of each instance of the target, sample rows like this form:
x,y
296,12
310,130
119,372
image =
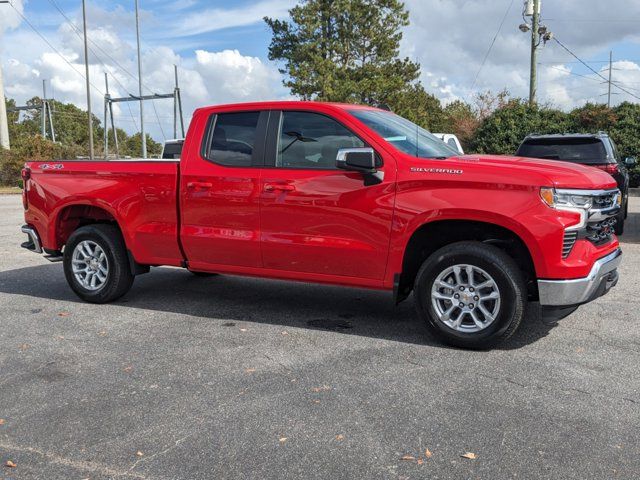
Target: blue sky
x,y
221,50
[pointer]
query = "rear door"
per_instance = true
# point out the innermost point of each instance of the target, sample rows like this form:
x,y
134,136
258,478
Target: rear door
x,y
316,218
220,192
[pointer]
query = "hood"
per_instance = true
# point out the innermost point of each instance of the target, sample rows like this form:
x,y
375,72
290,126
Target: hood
x,y
553,173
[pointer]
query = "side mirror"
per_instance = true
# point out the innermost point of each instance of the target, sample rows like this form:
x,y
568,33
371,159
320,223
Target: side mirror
x,y
630,162
357,160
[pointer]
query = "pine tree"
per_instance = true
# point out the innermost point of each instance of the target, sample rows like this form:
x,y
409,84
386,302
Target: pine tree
x,y
345,51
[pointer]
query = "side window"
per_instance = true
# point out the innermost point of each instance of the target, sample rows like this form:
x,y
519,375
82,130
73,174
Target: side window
x,y
616,155
310,140
452,143
233,138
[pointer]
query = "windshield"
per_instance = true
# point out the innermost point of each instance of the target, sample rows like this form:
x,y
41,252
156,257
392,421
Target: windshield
x,y
577,150
404,135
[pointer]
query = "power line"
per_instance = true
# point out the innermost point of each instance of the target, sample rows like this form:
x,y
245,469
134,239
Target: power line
x,y
53,48
594,71
486,55
573,73
79,34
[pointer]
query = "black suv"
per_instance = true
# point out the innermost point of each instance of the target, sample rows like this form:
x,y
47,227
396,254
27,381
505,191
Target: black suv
x,y
596,150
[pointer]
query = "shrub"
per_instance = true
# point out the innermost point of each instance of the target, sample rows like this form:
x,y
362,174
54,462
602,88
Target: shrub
x,y
30,148
634,177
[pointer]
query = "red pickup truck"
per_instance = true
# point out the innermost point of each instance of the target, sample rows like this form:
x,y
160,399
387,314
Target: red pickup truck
x,y
340,194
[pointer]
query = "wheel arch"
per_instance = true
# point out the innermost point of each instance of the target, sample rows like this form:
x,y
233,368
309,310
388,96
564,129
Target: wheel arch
x,y
70,217
73,216
433,235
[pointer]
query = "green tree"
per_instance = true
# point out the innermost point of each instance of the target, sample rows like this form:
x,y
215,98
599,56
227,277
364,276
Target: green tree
x,y
504,129
132,146
345,51
461,120
626,131
592,117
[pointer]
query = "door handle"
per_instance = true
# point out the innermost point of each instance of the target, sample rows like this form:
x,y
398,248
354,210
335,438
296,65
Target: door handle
x,y
270,187
199,185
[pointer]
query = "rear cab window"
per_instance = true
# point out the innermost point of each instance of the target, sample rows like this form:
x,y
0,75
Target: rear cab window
x,y
587,150
235,139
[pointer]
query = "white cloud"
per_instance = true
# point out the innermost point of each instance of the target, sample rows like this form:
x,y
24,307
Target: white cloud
x,y
231,76
450,39
208,78
9,17
213,19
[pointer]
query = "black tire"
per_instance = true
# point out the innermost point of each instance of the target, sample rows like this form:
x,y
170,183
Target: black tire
x,y
119,277
626,207
203,274
619,226
507,276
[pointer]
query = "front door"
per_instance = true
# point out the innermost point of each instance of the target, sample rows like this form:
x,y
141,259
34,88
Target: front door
x,y
316,218
220,191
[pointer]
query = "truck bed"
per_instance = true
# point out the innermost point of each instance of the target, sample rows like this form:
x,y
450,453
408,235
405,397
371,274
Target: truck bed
x,y
140,194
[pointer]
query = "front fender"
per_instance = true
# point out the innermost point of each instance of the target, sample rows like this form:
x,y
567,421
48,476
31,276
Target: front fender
x,y
517,209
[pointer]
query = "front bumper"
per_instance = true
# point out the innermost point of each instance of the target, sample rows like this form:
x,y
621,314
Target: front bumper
x,y
602,277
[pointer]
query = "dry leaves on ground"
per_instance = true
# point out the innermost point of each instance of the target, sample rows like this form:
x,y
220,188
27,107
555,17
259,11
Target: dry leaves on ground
x,y
2,421
139,454
469,455
63,314
10,464
340,437
323,388
409,458
249,370
282,439
427,453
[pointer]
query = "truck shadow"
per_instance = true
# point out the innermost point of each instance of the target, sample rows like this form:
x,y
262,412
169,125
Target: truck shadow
x,y
237,299
631,229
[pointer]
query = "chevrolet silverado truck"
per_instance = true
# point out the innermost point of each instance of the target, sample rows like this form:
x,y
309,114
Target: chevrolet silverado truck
x,y
338,194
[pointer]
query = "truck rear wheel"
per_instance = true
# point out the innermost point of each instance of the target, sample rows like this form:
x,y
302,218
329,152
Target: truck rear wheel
x,y
96,264
471,295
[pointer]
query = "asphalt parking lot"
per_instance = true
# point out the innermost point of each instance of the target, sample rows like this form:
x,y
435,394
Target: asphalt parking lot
x,y
229,378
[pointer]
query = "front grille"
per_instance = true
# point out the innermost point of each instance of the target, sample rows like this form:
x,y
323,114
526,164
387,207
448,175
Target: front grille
x,y
599,222
568,242
600,233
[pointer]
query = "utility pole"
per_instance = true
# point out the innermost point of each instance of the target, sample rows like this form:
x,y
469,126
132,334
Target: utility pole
x,y
4,123
610,73
534,52
539,34
177,106
144,137
86,69
43,111
108,110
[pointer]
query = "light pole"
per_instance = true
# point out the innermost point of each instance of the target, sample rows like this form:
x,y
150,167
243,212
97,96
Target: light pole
x,y
4,123
142,134
86,69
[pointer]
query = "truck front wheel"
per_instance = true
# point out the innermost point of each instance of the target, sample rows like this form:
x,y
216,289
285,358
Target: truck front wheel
x,y
96,264
471,295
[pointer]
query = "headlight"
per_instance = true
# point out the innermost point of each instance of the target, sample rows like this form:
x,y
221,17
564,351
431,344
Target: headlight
x,y
566,199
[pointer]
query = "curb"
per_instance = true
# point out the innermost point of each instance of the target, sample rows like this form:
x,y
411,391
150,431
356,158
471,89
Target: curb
x,y
634,192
